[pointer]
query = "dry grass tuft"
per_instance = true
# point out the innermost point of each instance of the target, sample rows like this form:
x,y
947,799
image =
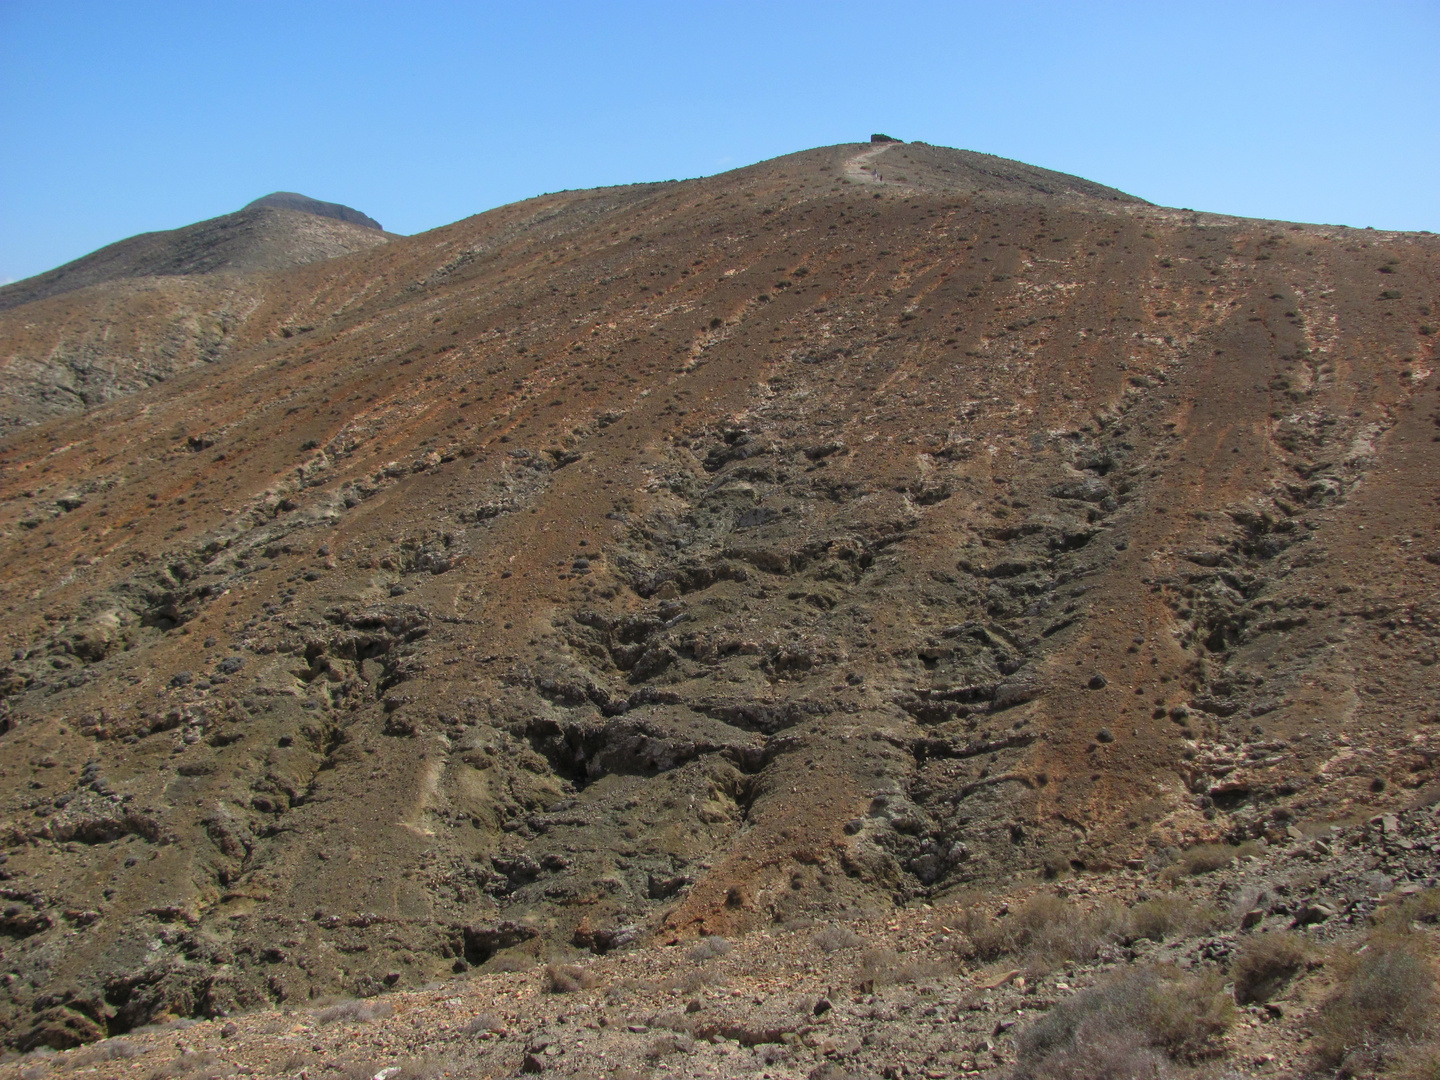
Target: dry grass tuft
x,y
568,978
1123,1024
1401,915
1385,998
1169,916
1207,858
1419,1062
359,1012
1100,1056
478,1025
1048,931
1264,964
886,967
191,1066
108,1050
836,938
696,979
710,947
510,961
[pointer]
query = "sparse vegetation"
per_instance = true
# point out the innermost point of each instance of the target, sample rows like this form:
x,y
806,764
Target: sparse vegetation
x,y
1121,1024
886,967
1264,964
710,947
1167,916
1047,931
835,938
1207,858
568,978
478,1025
1383,1004
510,961
359,1012
190,1065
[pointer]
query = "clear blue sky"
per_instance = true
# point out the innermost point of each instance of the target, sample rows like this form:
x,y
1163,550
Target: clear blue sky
x,y
117,117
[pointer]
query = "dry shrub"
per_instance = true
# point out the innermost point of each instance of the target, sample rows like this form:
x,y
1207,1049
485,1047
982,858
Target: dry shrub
x,y
1264,964
834,938
710,947
350,1069
568,978
1167,916
478,1025
1207,858
885,967
359,1012
1114,1024
691,981
669,1044
294,1062
1385,997
1099,1056
1048,931
510,962
1399,917
109,1050
191,1066
1419,1063
434,1067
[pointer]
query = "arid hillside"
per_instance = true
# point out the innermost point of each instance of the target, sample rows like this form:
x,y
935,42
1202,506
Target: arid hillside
x,y
138,311
629,565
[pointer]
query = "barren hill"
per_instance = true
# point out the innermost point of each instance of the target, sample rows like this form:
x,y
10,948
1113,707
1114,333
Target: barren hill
x,y
290,200
626,565
278,231
136,312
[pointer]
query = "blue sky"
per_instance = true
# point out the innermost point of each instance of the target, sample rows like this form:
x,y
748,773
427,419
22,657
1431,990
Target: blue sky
x,y
121,117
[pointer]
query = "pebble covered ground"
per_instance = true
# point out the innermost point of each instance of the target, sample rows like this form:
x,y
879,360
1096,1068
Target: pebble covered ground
x,y
903,995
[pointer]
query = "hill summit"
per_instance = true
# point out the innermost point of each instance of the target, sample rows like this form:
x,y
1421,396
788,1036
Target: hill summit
x,y
277,231
289,200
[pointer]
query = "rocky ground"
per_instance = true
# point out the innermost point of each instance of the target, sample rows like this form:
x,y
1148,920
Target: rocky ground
x,y
694,560
961,987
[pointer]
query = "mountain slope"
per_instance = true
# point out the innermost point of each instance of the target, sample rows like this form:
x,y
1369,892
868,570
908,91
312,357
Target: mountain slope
x,y
686,558
137,312
266,235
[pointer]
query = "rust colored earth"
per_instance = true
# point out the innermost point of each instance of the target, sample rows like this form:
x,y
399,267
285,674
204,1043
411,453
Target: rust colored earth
x,y
685,558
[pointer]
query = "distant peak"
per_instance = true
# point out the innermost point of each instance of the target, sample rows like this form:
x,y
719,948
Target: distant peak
x,y
290,200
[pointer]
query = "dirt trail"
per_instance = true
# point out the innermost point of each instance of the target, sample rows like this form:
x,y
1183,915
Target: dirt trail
x,y
858,167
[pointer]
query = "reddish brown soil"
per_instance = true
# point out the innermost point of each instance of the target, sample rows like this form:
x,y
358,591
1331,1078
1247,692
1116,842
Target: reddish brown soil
x,y
679,558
